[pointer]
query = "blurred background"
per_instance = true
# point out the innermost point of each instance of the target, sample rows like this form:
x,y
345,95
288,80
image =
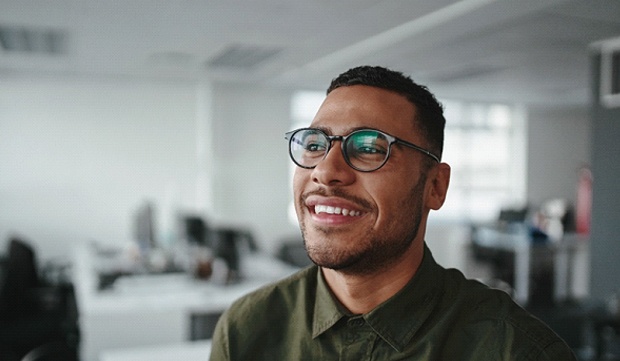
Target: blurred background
x,y
145,138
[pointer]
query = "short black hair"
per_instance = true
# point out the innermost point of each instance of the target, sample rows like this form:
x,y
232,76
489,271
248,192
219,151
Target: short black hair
x,y
429,110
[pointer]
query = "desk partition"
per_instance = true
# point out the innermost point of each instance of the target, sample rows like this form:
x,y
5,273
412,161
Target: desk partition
x,y
155,309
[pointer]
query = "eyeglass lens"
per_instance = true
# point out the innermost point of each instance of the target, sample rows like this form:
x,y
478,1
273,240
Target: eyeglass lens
x,y
364,150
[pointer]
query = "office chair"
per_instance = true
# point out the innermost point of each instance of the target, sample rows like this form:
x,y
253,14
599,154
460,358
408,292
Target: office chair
x,y
33,313
19,281
53,351
196,231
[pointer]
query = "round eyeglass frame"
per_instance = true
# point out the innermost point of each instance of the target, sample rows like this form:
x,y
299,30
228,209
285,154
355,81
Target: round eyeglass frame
x,y
343,139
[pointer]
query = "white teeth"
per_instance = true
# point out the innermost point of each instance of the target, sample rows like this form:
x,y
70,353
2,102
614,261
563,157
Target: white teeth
x,y
335,210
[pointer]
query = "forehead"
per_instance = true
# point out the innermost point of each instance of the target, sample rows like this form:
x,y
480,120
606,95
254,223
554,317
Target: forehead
x,y
356,106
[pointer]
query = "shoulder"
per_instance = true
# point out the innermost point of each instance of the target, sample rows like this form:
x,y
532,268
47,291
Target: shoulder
x,y
247,325
286,294
494,318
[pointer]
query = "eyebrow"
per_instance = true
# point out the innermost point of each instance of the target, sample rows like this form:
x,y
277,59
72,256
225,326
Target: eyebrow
x,y
328,130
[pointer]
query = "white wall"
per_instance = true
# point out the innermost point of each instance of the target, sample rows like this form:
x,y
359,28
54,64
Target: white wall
x,y
77,157
558,145
251,186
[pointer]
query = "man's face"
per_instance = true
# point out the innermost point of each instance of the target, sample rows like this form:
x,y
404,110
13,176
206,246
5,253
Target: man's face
x,y
355,221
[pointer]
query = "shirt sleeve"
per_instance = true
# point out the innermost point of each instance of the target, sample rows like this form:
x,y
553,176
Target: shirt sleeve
x,y
220,344
557,351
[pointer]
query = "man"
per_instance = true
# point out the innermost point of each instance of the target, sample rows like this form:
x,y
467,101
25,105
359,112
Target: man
x,y
368,174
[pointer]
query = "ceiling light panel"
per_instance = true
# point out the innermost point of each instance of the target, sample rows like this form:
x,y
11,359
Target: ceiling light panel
x,y
243,56
23,39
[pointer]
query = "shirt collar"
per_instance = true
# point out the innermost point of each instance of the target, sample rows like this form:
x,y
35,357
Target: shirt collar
x,y
396,320
326,309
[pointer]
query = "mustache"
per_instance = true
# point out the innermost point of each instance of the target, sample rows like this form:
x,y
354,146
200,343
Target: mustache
x,y
336,192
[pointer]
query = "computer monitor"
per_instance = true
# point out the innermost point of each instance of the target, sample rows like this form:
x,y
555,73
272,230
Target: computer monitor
x,y
196,231
144,227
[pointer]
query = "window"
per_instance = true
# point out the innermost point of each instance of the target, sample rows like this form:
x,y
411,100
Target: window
x,y
485,146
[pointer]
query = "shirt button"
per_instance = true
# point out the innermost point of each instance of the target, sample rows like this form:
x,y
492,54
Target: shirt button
x,y
358,322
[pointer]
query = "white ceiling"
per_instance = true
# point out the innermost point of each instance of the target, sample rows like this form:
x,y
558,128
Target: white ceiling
x,y
534,51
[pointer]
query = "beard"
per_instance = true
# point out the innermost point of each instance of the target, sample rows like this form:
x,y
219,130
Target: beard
x,y
376,249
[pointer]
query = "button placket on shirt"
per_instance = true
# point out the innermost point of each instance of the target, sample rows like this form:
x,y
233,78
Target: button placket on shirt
x,y
356,322
359,339
354,328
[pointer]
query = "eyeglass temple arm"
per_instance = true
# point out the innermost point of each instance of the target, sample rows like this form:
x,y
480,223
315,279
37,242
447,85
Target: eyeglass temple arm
x,y
420,149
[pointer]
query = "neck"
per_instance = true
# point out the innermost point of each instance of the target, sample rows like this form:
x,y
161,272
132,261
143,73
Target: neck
x,y
360,294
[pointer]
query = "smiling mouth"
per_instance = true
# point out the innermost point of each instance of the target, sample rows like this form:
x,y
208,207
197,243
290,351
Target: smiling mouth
x,y
318,209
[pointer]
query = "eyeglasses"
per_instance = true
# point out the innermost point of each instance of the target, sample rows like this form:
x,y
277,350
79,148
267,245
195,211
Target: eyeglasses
x,y
365,150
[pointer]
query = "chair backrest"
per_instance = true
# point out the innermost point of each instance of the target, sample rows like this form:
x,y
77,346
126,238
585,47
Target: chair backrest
x,y
293,252
510,215
53,351
21,278
196,231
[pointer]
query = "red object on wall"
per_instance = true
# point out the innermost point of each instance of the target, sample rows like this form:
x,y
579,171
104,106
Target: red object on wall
x,y
583,207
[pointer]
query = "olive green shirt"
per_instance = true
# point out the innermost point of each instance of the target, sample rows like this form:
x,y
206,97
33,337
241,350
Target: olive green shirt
x,y
438,315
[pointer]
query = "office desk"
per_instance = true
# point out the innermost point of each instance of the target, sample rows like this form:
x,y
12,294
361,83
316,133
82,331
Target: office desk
x,y
148,310
186,351
571,250
606,331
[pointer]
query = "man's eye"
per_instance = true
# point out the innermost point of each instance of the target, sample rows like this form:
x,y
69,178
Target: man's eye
x,y
370,149
367,150
315,147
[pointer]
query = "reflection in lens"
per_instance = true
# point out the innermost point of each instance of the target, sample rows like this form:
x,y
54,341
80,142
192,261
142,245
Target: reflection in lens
x,y
367,149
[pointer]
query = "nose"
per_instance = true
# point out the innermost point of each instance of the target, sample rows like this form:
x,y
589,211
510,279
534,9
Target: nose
x,y
333,169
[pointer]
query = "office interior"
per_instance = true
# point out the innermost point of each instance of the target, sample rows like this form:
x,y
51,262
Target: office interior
x,y
144,175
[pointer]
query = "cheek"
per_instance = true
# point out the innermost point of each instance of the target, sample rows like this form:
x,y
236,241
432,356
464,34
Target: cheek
x,y
397,199
298,182
390,208
300,179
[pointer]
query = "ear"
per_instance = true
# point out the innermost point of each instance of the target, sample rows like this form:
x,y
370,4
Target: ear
x,y
437,185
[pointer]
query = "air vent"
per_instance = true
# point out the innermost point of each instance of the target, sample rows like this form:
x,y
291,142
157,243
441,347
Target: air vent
x,y
467,72
242,56
33,40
